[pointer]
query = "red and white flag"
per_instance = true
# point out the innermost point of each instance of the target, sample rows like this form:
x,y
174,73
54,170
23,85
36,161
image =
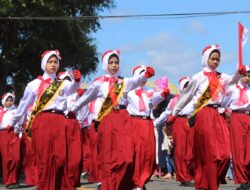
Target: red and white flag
x,y
243,36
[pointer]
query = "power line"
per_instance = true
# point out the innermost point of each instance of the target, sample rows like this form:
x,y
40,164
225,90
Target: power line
x,y
132,16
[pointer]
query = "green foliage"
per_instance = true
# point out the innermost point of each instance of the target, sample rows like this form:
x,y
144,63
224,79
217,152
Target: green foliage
x,y
23,41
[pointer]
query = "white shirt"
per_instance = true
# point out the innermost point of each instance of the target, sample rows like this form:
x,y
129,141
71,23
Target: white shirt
x,y
150,98
187,110
232,98
83,115
197,86
99,90
71,99
162,118
30,96
6,115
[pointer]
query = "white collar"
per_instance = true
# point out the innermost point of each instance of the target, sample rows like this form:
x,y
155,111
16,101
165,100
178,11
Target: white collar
x,y
46,76
207,69
242,85
7,109
110,76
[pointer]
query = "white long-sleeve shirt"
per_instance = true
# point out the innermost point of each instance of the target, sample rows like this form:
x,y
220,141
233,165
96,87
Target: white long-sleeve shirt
x,y
197,86
232,98
99,90
30,96
6,114
150,98
83,115
187,110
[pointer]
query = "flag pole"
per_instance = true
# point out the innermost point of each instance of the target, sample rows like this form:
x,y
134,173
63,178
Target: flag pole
x,y
240,31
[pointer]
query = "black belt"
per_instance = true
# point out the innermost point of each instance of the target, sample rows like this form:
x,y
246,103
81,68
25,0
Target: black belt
x,y
247,112
54,111
185,116
141,117
96,124
120,107
214,105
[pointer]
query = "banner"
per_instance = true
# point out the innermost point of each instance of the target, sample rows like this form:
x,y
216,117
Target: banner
x,y
242,39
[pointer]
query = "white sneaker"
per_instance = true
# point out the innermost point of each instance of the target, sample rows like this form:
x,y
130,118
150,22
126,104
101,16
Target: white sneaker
x,y
85,175
99,186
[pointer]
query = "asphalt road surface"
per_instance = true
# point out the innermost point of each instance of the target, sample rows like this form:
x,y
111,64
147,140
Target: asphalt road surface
x,y
154,184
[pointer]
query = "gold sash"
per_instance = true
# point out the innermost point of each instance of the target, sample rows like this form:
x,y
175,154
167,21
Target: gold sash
x,y
107,105
46,97
202,102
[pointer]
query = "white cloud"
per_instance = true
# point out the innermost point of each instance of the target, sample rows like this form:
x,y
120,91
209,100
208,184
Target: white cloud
x,y
197,27
170,57
167,55
151,43
174,64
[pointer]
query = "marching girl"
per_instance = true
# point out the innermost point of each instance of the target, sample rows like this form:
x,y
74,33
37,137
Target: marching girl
x,y
238,101
182,137
9,143
113,139
28,165
183,140
93,161
48,126
84,119
160,85
139,105
73,166
206,90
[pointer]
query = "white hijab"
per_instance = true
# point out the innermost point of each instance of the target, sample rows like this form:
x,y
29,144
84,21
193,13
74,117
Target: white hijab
x,y
46,55
206,53
6,96
105,61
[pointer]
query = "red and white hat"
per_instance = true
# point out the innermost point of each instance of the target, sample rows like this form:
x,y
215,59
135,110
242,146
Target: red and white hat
x,y
206,53
105,59
64,74
138,70
46,55
182,82
247,68
6,96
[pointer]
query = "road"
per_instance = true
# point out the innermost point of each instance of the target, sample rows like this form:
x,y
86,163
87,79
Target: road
x,y
163,184
154,184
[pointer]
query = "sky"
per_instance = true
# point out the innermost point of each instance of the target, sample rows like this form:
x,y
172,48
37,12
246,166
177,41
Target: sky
x,y
172,46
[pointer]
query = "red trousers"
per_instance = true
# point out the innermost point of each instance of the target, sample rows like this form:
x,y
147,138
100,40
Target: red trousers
x,y
85,149
144,148
211,149
49,143
115,149
94,166
73,167
240,146
28,161
10,154
183,149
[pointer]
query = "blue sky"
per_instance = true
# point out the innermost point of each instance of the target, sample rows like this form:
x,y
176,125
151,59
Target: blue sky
x,y
172,46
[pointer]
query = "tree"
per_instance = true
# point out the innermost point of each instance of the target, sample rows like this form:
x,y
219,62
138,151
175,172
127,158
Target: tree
x,y
23,41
